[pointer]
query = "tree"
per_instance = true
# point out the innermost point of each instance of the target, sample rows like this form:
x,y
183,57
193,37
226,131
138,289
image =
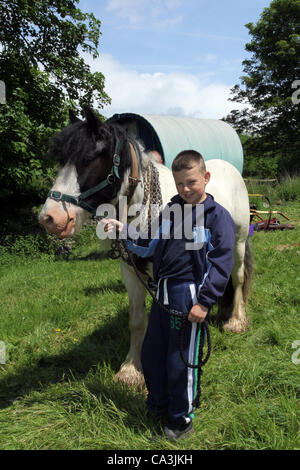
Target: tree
x,y
41,63
273,118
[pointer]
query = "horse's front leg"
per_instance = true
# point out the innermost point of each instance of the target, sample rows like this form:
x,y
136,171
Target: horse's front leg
x,y
131,369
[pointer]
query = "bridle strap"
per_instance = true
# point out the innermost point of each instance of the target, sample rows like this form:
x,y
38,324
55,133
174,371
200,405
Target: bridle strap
x,y
58,196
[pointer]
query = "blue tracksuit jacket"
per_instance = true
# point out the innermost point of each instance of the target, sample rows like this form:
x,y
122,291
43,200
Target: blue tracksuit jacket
x,y
213,262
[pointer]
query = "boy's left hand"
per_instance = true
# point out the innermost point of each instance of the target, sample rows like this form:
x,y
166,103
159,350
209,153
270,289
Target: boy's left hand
x,y
197,313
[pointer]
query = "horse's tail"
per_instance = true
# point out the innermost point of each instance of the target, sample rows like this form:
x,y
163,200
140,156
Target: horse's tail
x,y
225,303
248,270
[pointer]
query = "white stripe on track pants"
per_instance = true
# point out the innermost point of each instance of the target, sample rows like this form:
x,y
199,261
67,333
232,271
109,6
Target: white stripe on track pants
x,y
171,384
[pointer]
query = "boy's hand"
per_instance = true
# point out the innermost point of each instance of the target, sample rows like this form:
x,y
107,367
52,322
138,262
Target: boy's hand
x,y
197,313
110,224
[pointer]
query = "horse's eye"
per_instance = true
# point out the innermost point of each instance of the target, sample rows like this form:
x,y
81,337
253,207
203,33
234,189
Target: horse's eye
x,y
90,156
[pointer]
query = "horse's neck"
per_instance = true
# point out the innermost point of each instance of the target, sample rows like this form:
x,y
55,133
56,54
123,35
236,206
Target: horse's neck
x,y
155,189
146,194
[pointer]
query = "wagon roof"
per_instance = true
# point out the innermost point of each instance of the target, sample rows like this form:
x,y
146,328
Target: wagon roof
x,y
169,135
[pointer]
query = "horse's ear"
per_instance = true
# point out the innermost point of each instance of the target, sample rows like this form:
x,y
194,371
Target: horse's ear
x,y
92,120
72,116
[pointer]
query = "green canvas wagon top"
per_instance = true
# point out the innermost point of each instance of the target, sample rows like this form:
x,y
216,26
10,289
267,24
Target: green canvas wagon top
x,y
169,135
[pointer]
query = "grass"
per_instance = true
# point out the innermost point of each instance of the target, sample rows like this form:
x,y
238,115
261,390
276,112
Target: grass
x,y
64,322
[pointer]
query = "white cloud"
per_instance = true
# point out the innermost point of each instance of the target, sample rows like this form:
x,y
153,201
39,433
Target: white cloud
x,y
145,14
176,93
173,3
166,23
128,9
210,58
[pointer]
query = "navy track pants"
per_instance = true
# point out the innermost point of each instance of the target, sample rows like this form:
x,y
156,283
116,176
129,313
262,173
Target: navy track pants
x,y
172,385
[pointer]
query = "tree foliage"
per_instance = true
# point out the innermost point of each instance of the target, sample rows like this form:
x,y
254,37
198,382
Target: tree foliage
x,y
272,117
42,48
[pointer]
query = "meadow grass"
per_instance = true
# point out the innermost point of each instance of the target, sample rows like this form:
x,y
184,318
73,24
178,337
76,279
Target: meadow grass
x,y
64,322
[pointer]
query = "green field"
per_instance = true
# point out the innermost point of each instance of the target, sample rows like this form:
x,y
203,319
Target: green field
x,y
64,325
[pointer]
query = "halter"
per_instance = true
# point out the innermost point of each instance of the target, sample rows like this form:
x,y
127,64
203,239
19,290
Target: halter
x,y
110,179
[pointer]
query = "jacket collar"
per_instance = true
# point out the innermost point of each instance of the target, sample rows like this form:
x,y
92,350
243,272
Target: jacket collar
x,y
207,203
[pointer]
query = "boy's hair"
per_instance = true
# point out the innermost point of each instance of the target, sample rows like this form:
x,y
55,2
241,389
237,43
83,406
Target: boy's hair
x,y
186,159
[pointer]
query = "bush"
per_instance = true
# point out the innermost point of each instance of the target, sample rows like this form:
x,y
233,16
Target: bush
x,y
29,246
18,246
289,190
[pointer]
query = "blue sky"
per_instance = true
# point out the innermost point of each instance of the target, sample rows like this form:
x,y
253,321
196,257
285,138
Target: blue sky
x,y
172,56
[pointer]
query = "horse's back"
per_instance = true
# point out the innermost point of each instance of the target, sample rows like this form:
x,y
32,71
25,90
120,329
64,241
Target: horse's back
x,y
228,189
226,185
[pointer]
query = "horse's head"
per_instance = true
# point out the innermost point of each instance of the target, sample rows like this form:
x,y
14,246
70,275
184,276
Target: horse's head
x,y
86,152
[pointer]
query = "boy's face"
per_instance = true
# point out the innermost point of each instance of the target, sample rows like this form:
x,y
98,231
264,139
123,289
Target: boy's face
x,y
191,183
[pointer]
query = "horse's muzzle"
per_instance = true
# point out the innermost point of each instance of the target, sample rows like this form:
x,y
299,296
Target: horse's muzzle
x,y
61,225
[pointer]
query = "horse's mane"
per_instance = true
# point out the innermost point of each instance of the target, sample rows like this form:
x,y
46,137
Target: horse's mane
x,y
77,144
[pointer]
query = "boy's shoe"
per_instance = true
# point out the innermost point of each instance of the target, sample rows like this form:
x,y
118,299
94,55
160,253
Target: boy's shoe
x,y
174,434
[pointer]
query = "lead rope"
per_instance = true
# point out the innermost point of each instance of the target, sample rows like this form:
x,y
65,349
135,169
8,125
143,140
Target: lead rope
x,y
204,332
152,198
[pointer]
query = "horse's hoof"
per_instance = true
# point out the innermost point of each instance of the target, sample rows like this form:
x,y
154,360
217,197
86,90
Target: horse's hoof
x,y
130,376
236,326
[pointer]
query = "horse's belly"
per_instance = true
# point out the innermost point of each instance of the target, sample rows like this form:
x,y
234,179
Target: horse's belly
x,y
228,189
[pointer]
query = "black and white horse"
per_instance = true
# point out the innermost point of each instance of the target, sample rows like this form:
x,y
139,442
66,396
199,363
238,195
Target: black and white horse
x,y
99,163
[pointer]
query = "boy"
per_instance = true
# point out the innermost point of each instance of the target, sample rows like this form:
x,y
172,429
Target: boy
x,y
189,280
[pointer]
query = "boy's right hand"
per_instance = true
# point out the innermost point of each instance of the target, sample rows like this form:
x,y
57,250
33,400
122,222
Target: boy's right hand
x,y
197,313
110,225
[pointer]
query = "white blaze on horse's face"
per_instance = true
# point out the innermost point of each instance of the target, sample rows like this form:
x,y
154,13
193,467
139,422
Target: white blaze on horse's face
x,y
59,217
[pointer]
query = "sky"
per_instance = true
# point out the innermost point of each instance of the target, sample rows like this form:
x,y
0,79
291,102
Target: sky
x,y
176,57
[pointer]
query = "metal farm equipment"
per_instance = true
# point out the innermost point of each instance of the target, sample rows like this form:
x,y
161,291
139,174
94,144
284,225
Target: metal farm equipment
x,y
272,223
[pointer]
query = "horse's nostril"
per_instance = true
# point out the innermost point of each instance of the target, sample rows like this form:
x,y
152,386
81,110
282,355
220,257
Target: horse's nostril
x,y
48,220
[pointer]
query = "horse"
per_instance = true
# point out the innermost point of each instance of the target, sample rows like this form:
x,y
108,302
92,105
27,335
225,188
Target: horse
x,y
99,163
